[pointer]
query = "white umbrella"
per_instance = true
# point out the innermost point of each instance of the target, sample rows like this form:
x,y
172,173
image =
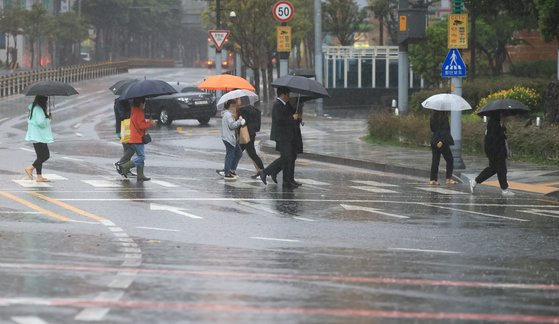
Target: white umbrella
x,y
252,97
446,102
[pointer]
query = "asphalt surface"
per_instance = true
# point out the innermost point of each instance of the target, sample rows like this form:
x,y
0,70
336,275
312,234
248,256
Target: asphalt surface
x,y
350,245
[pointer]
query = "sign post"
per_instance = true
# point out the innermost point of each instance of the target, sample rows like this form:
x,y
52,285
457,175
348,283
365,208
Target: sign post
x,y
455,68
283,12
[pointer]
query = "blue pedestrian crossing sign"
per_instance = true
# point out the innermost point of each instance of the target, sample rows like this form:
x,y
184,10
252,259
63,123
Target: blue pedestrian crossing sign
x,y
453,65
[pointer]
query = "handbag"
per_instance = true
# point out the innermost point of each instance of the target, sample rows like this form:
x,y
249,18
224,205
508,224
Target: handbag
x,y
125,131
146,138
244,136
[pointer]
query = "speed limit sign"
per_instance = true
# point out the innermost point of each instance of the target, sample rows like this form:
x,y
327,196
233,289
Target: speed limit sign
x,y
283,11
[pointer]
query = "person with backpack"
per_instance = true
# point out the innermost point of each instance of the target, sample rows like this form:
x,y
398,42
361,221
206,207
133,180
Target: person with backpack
x,y
39,132
122,111
252,116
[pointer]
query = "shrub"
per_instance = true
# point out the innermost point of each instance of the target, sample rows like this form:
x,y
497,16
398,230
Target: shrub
x,y
528,96
542,69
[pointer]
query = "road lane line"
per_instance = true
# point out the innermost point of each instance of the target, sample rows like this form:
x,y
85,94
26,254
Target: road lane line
x,y
67,206
373,189
115,229
32,184
72,159
27,320
374,183
165,184
18,212
4,119
442,191
26,149
92,314
158,229
476,213
422,250
33,206
303,219
186,307
370,210
272,239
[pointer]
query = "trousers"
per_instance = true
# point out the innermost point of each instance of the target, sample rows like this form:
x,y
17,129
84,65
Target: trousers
x,y
447,155
43,154
498,166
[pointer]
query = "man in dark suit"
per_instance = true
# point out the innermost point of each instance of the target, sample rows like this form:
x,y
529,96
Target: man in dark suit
x,y
284,127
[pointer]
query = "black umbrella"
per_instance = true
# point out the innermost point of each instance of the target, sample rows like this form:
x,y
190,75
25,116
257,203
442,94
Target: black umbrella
x,y
302,85
506,106
49,88
119,87
147,88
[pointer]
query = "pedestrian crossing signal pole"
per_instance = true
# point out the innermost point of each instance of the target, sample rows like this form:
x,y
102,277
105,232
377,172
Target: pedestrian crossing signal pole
x,y
457,38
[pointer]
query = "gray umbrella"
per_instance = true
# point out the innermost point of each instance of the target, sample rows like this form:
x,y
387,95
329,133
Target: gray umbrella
x,y
302,85
506,106
49,88
147,88
119,87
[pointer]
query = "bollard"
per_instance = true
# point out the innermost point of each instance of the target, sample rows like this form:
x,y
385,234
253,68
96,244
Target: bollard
x,y
538,122
394,103
485,119
397,112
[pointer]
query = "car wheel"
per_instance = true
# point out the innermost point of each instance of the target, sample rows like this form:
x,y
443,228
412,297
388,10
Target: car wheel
x,y
164,117
204,121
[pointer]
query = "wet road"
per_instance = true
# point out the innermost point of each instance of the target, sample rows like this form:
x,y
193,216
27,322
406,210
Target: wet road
x,y
350,245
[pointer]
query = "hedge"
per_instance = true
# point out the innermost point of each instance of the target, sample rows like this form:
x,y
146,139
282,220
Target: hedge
x,y
526,141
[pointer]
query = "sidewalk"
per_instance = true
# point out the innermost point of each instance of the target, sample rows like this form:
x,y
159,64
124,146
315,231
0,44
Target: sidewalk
x,y
338,141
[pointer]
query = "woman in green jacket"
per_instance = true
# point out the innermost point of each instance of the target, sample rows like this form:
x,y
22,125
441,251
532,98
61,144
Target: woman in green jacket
x,y
40,134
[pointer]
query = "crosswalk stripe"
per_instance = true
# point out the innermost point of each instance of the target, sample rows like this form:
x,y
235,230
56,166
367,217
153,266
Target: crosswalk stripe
x,y
164,183
102,183
373,189
239,185
52,176
374,183
32,184
28,320
313,182
442,191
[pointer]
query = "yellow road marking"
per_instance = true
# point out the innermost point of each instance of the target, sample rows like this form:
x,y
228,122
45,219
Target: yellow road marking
x,y
69,207
33,206
535,187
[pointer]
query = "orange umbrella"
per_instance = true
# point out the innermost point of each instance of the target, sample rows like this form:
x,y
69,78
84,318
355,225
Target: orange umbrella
x,y
225,82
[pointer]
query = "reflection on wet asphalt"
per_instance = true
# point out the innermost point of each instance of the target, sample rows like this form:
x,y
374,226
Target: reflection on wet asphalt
x,y
350,245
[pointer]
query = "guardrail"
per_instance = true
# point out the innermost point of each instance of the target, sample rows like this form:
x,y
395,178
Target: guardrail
x,y
15,83
140,62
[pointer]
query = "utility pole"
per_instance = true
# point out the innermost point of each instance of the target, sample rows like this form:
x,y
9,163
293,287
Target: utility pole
x,y
218,25
318,60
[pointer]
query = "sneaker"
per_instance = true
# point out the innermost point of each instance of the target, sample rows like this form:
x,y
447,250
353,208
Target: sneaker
x,y
433,183
220,172
229,177
507,193
451,181
473,185
233,173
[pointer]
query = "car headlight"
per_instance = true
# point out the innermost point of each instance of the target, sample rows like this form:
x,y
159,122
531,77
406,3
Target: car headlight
x,y
185,100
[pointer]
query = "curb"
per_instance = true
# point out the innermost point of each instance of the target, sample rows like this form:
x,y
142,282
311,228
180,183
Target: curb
x,y
368,165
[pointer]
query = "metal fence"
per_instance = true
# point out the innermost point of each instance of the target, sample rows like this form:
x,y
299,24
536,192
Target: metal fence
x,y
15,83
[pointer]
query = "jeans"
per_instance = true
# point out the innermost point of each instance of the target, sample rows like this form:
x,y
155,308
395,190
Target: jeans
x,y
140,155
42,151
233,155
447,154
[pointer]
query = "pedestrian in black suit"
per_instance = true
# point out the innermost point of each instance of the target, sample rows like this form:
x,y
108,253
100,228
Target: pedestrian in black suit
x,y
284,125
440,144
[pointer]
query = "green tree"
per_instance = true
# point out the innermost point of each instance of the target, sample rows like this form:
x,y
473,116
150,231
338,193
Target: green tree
x,y
381,10
342,19
426,58
34,28
67,29
548,21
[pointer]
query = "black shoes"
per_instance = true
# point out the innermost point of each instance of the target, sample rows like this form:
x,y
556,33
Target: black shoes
x,y
290,185
275,178
262,176
118,169
298,184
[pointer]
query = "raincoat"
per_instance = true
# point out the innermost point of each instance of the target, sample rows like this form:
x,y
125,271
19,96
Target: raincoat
x,y
38,126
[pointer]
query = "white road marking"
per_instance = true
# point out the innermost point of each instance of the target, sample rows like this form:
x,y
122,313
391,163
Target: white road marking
x,y
239,184
373,189
158,229
272,239
131,263
313,182
130,250
374,183
442,191
370,210
4,119
259,207
539,212
115,229
92,314
79,134
72,159
122,281
132,256
32,184
102,183
476,213
125,239
120,234
83,222
107,222
165,183
28,320
26,149
19,212
175,210
422,250
52,176
303,219
77,125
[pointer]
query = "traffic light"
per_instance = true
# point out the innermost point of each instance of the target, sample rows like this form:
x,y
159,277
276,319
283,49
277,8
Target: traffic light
x,y
457,6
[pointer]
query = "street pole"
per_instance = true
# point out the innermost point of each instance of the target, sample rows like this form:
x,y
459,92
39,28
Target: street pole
x,y
318,60
456,126
218,51
403,77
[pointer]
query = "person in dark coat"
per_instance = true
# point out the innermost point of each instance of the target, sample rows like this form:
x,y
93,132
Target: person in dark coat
x,y
496,149
284,124
122,111
252,116
440,144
